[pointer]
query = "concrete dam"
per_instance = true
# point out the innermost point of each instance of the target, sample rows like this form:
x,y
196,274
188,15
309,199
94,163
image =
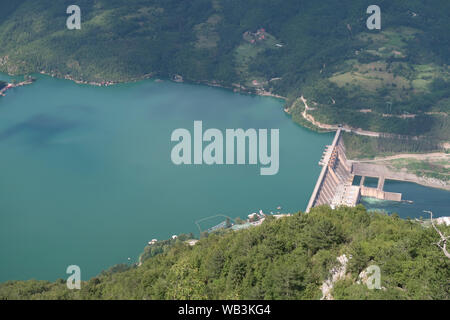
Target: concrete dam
x,y
335,188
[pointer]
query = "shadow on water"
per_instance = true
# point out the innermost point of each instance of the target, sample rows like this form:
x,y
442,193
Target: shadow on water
x,y
41,128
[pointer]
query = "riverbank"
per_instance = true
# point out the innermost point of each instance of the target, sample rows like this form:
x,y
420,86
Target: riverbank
x,y
320,127
175,78
333,127
94,83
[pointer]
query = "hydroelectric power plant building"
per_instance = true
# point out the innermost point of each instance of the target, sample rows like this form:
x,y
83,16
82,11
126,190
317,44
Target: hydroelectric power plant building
x,y
334,187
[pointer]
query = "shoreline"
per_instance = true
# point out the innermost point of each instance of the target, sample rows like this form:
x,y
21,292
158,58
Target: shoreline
x,y
175,78
104,83
318,126
333,127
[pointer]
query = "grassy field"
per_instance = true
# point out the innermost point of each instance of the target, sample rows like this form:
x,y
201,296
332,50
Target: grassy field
x,y
372,76
379,89
246,53
207,35
401,78
438,169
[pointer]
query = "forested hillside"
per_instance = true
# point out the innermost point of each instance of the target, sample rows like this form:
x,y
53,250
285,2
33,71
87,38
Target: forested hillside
x,y
288,258
391,80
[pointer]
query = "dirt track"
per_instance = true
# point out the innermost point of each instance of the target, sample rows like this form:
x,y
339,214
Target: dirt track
x,y
417,156
345,128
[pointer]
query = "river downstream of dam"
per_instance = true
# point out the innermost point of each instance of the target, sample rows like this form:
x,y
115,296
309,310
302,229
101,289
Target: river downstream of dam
x,y
87,178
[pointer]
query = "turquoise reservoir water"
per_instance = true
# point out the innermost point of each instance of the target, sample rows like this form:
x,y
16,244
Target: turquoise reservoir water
x,y
86,176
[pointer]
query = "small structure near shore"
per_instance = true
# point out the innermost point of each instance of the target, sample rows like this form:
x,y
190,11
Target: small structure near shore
x,y
27,81
178,78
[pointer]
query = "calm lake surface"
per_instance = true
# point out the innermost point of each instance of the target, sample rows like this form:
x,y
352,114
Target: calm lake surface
x,y
86,176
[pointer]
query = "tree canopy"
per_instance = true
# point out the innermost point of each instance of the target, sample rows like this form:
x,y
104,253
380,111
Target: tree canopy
x,y
287,258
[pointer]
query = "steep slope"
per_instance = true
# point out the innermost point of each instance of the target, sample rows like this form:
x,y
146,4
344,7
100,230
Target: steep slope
x,y
288,258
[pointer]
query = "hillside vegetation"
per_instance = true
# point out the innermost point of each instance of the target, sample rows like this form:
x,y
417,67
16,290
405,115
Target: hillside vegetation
x,y
288,258
394,80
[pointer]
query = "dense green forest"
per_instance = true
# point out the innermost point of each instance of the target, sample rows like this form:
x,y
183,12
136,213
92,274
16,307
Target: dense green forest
x,y
391,80
288,258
